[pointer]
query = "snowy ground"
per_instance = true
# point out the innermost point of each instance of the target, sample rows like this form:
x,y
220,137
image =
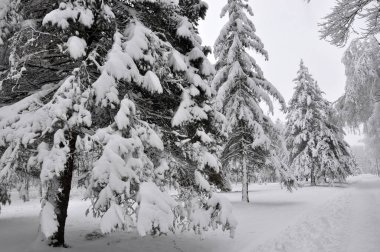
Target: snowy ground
x,y
342,218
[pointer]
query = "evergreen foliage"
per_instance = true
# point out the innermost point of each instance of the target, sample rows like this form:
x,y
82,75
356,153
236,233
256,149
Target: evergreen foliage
x,y
241,86
111,79
316,146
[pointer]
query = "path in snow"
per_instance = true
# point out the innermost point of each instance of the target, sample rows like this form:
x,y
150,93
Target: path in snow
x,y
364,234
349,222
342,218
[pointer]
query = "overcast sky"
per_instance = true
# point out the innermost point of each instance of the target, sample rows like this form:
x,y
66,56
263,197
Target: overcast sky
x,y
289,31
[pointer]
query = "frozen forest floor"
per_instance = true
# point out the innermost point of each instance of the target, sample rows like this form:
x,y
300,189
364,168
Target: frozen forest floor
x,y
341,218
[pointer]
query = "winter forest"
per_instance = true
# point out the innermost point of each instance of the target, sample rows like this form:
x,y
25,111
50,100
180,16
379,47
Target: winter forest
x,y
165,125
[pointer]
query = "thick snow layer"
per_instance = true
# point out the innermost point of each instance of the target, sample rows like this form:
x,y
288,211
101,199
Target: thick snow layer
x,y
68,11
48,220
113,218
77,47
155,209
344,218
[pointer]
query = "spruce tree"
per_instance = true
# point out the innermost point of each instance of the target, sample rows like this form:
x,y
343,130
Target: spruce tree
x,y
241,86
111,79
316,146
334,154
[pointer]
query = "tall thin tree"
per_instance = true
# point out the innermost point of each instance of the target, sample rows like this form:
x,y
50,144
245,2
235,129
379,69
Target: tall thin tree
x,y
241,86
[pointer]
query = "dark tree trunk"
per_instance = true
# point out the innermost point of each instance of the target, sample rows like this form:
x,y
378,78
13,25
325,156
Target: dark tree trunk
x,y
40,191
26,196
244,181
312,177
62,188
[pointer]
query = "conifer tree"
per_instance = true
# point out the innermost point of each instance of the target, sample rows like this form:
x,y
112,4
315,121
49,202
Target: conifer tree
x,y
241,86
111,79
316,146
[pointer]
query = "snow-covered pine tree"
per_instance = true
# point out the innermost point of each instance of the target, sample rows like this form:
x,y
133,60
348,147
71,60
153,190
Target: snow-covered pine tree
x,y
241,86
303,125
335,157
132,93
316,146
182,111
277,137
50,88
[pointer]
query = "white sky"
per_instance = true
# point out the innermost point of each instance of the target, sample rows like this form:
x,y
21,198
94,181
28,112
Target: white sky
x,y
289,31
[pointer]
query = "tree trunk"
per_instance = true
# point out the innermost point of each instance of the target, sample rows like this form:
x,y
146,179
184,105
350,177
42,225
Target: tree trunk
x,y
60,193
312,177
244,181
40,191
27,189
377,167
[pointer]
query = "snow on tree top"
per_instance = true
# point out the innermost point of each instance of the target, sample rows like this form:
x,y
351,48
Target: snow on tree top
x,y
69,11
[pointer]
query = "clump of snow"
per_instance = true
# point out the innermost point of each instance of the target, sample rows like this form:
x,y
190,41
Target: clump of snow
x,y
195,54
76,46
224,213
148,136
188,111
113,219
184,29
127,109
54,161
205,138
201,181
211,160
152,83
48,220
177,62
69,11
107,11
155,209
161,169
200,220
105,90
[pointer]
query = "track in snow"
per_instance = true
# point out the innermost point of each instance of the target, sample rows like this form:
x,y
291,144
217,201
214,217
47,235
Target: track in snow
x,y
350,222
